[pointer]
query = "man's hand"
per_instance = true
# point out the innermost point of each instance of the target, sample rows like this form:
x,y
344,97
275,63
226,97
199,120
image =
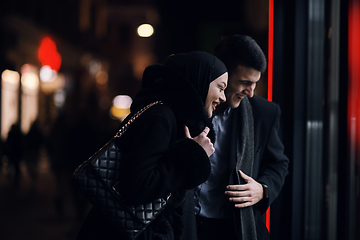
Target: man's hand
x,y
245,195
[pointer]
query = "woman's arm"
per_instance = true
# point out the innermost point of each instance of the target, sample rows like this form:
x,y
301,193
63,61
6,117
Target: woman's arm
x,y
157,163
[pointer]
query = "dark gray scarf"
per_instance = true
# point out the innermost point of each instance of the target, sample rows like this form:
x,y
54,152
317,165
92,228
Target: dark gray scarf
x,y
245,161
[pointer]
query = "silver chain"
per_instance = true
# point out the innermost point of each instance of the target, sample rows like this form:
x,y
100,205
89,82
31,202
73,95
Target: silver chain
x,y
123,128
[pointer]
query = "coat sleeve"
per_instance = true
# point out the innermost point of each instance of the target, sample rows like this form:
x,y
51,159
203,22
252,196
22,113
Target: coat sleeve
x,y
274,163
157,162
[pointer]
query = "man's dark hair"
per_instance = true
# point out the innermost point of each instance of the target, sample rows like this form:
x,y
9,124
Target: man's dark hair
x,y
240,50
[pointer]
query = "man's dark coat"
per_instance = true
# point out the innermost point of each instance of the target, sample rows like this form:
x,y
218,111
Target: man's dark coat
x,y
270,163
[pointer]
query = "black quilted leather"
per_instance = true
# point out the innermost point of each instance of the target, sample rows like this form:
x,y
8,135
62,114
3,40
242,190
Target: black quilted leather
x,y
96,178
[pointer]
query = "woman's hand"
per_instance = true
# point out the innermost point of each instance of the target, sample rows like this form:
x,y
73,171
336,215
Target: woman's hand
x,y
202,140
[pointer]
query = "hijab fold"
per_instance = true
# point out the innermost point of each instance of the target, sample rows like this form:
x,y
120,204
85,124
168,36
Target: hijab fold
x,y
200,68
182,83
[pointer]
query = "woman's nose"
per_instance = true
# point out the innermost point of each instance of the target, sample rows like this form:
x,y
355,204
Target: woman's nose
x,y
222,97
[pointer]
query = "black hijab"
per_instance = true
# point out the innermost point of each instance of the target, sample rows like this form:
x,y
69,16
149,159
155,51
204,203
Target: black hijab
x,y
200,68
182,83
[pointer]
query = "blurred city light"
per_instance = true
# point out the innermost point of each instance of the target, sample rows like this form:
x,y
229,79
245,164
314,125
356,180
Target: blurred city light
x,y
94,67
121,107
119,113
9,100
30,80
122,101
10,76
145,30
51,87
140,61
29,100
59,98
29,96
47,74
48,54
102,78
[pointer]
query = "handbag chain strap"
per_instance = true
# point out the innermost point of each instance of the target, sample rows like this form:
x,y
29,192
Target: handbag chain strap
x,y
136,115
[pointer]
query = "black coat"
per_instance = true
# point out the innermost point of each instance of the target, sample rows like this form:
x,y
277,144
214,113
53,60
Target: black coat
x,y
270,163
161,160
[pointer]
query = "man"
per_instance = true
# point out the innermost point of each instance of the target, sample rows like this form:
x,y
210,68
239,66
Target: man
x,y
249,165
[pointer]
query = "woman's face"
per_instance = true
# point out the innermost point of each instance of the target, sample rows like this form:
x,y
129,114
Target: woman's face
x,y
216,93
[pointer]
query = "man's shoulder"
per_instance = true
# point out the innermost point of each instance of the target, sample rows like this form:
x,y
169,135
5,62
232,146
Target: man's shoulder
x,y
262,103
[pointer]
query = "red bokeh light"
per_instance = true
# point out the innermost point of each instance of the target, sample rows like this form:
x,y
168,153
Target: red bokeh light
x,y
48,54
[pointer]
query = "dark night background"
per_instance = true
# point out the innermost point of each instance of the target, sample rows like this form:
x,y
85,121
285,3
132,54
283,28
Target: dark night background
x,y
43,204
315,82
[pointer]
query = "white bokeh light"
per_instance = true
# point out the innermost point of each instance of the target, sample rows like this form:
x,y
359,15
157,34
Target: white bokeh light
x,y
10,76
47,74
30,80
122,101
145,30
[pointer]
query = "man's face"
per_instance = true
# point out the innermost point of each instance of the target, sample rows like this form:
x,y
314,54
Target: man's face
x,y
242,82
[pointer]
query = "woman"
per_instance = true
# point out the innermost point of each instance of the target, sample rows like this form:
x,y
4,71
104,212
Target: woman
x,y
168,146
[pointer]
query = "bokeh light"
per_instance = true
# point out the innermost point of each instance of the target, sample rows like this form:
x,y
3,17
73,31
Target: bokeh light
x,y
48,54
30,80
47,74
122,101
145,30
10,76
121,107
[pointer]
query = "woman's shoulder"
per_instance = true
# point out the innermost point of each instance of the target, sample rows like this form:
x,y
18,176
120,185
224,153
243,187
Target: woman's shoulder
x,y
160,109
156,113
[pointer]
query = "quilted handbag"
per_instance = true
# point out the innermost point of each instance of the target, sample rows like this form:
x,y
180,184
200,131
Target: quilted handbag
x,y
97,178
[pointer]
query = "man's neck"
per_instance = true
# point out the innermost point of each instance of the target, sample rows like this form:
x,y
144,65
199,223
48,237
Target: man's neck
x,y
221,108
